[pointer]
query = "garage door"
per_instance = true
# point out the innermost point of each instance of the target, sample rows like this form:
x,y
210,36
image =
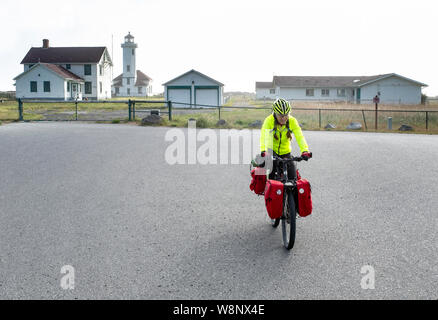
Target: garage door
x,y
180,97
207,97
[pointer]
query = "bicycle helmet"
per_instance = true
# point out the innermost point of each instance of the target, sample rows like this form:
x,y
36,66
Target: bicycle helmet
x,y
281,106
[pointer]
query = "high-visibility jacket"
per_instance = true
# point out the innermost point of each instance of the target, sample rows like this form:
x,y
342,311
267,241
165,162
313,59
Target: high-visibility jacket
x,y
281,145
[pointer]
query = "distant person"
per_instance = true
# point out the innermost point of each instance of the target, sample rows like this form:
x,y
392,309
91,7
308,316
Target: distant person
x,y
277,129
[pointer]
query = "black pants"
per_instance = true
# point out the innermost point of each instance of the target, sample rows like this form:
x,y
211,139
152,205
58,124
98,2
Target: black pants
x,y
291,169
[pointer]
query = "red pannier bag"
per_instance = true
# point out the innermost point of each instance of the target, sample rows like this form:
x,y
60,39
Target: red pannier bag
x,y
304,197
274,198
258,181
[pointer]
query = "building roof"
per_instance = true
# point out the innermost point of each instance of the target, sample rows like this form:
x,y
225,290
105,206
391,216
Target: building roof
x,y
322,82
65,55
327,81
58,70
264,85
197,72
142,80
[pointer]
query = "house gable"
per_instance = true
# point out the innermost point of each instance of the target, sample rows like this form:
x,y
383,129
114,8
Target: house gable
x,y
56,70
197,77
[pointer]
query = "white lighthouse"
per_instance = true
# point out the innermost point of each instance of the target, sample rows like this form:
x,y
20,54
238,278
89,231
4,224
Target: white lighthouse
x,y
129,60
132,82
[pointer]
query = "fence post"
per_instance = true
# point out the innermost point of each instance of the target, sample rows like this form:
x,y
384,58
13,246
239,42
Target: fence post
x,y
76,104
364,121
133,110
427,120
219,112
320,118
376,117
129,110
169,103
20,110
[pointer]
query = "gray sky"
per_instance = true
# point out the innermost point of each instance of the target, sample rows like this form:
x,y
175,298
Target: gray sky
x,y
236,42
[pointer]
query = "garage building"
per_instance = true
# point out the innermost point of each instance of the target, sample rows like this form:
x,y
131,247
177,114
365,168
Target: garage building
x,y
193,89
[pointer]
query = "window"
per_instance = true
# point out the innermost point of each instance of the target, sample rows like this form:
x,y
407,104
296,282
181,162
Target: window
x,y
128,68
133,51
341,92
88,88
272,91
117,90
129,91
325,92
140,89
33,86
68,86
46,86
100,87
100,70
87,69
128,81
310,92
68,66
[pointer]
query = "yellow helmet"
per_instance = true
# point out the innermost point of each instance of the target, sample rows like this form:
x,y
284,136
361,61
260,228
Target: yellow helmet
x,y
281,106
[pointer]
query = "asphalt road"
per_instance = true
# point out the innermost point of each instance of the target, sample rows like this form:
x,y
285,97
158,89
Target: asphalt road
x,y
102,199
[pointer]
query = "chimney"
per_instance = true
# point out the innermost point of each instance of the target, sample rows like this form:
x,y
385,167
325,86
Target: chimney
x,y
45,43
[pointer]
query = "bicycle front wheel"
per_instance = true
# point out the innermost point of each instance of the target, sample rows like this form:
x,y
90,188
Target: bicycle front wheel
x,y
288,220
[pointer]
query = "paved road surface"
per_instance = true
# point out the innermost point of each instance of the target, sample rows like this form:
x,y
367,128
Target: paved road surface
x,y
101,199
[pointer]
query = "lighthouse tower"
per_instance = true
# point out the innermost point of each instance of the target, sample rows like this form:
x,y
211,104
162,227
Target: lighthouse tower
x,y
132,82
129,67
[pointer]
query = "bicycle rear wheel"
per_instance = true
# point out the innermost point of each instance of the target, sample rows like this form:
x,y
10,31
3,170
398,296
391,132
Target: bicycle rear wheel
x,y
288,220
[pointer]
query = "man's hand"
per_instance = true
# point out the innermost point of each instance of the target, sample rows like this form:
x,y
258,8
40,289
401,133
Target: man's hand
x,y
306,155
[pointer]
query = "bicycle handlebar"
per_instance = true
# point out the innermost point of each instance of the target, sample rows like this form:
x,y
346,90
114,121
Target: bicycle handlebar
x,y
297,159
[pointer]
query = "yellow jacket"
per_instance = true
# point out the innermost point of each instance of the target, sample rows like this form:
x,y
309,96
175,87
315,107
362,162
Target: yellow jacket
x,y
281,145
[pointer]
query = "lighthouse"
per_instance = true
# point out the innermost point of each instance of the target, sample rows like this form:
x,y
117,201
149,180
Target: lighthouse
x,y
132,82
129,69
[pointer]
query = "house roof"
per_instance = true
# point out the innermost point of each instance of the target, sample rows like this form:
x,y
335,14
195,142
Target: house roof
x,y
264,85
197,72
65,55
330,81
142,80
58,70
318,81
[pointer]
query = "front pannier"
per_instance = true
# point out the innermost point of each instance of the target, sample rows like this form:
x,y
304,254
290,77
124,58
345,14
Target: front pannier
x,y
274,198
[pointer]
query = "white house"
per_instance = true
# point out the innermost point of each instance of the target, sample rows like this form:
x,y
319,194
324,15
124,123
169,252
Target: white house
x,y
194,89
65,73
132,82
48,81
391,88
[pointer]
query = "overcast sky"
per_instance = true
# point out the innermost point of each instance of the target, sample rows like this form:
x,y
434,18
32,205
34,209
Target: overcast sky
x,y
236,42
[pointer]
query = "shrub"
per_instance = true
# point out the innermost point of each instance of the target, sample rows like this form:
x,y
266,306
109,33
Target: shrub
x,y
202,122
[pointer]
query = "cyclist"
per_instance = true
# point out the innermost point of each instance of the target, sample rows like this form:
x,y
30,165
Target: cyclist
x,y
276,135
